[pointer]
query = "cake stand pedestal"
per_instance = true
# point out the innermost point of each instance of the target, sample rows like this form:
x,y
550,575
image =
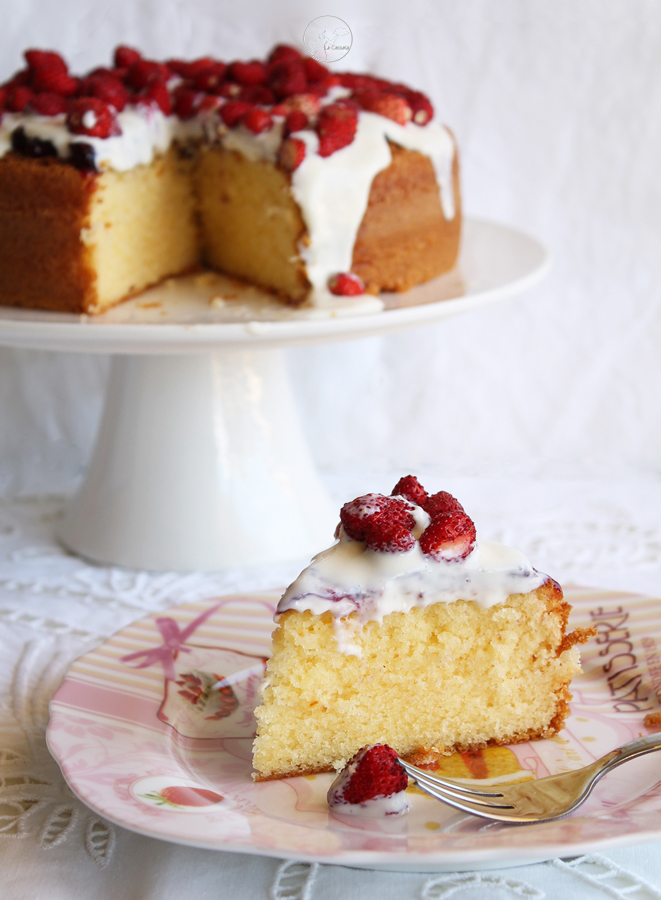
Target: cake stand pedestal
x,y
201,462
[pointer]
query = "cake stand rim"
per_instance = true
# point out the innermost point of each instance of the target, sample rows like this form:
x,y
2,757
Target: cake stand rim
x,y
40,329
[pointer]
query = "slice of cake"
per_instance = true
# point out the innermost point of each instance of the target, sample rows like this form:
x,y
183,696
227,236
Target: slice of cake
x,y
407,632
306,182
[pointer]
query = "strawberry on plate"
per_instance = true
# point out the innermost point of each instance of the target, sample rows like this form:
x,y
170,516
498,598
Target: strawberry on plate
x,y
371,784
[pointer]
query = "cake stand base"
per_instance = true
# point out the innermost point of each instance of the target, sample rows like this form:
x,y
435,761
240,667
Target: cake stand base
x,y
200,463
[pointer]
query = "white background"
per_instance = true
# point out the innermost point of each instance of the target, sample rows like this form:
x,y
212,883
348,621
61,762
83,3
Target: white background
x,y
557,109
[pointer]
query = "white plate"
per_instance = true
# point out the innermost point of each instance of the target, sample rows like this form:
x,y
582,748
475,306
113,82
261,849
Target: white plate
x,y
112,733
495,262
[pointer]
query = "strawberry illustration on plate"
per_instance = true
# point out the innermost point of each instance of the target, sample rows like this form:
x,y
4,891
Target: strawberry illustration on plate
x,y
181,795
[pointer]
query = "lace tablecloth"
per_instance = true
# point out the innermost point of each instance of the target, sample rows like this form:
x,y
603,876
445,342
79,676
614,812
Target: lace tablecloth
x,y
54,607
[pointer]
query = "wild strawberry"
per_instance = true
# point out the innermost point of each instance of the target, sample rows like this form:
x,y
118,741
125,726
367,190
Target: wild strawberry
x,y
229,89
107,88
157,93
373,772
291,153
321,88
450,537
295,121
410,487
283,52
258,94
209,80
391,106
257,120
208,104
287,77
180,67
233,111
346,284
144,71
54,82
253,72
421,107
91,116
353,81
124,56
441,503
307,103
19,98
336,127
389,538
46,104
22,78
45,61
314,70
371,511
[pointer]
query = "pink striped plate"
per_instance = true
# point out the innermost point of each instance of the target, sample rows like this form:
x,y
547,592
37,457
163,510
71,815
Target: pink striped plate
x,y
153,730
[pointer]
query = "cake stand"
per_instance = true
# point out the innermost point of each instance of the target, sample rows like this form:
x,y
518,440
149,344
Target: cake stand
x,y
200,461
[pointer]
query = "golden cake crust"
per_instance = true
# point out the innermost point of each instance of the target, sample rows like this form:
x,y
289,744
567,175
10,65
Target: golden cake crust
x,y
44,206
404,238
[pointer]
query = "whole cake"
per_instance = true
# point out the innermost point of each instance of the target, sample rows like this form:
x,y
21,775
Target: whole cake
x,y
305,182
410,633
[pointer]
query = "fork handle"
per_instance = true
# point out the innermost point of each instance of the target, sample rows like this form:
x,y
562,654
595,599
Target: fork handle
x,y
633,749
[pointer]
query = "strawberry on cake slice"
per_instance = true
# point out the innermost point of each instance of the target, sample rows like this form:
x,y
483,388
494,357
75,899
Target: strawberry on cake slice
x,y
411,633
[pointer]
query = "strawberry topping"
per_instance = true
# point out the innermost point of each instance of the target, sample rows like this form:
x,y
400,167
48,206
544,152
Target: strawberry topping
x,y
91,116
48,104
421,107
392,106
389,538
287,77
450,537
291,153
373,772
233,111
372,518
346,284
441,503
336,126
124,56
107,88
410,487
42,61
287,84
253,72
282,52
295,121
19,98
257,120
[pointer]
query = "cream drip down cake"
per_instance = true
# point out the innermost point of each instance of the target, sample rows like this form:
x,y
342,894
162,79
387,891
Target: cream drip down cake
x,y
306,182
409,632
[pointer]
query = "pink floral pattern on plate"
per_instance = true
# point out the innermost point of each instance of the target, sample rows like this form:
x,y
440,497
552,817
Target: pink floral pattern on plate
x,y
154,728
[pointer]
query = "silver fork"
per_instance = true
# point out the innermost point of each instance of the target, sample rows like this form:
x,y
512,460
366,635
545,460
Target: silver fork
x,y
531,801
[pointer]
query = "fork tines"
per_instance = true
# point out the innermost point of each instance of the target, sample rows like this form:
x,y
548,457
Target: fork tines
x,y
455,794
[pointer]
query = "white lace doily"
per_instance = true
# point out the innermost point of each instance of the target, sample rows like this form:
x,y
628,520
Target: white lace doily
x,y
54,607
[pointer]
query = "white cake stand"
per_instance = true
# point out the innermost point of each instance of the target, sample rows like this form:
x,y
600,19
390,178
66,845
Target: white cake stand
x,y
200,462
